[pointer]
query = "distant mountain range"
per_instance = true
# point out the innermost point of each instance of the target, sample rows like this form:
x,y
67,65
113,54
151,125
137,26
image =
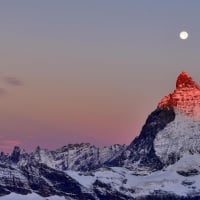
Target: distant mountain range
x,y
162,163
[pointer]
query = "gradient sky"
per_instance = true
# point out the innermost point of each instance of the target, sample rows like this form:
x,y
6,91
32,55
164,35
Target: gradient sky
x,y
89,71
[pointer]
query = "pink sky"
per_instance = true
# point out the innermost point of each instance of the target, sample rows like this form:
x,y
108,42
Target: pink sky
x,y
89,72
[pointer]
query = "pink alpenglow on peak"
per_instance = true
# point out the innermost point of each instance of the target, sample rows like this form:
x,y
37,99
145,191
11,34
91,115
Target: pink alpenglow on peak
x,y
186,97
184,80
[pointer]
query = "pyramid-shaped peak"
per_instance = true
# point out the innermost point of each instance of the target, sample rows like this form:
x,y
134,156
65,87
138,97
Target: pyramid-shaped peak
x,y
184,80
185,98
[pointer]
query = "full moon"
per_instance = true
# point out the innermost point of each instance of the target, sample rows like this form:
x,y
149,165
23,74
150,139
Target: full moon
x,y
183,35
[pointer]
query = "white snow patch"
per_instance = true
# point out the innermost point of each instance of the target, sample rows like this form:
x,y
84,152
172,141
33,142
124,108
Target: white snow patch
x,y
178,137
32,196
84,179
167,180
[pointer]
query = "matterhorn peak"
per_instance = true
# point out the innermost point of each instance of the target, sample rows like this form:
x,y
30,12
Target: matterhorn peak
x,y
185,98
185,80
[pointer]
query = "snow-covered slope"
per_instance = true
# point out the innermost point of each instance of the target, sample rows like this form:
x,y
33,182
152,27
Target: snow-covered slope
x,y
78,157
42,171
140,155
32,196
178,181
177,138
175,181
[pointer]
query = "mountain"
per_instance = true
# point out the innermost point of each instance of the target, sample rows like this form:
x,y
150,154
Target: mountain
x,y
77,157
140,155
44,172
162,163
170,131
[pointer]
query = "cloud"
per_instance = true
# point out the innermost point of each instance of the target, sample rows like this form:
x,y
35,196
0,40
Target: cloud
x,y
10,81
13,81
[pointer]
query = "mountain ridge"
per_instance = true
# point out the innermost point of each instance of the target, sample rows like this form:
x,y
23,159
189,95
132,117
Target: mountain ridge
x,y
66,157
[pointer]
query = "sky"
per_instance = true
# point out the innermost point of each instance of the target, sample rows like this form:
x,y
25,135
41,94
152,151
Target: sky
x,y
89,71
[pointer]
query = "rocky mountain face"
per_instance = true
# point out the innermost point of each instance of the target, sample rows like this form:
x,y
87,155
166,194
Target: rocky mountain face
x,y
170,131
140,155
43,171
186,97
77,157
40,179
163,162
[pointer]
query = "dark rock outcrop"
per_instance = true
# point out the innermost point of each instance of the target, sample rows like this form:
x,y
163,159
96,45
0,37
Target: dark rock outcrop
x,y
142,149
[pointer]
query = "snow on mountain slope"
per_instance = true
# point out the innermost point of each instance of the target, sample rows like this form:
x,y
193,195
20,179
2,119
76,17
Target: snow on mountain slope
x,y
180,179
177,138
78,157
183,134
33,196
140,154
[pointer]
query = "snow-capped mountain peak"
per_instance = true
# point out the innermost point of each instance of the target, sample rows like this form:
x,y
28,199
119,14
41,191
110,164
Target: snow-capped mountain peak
x,y
182,135
185,98
171,130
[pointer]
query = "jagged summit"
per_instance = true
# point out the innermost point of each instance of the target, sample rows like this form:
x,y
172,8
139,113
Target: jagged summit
x,y
185,98
185,80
